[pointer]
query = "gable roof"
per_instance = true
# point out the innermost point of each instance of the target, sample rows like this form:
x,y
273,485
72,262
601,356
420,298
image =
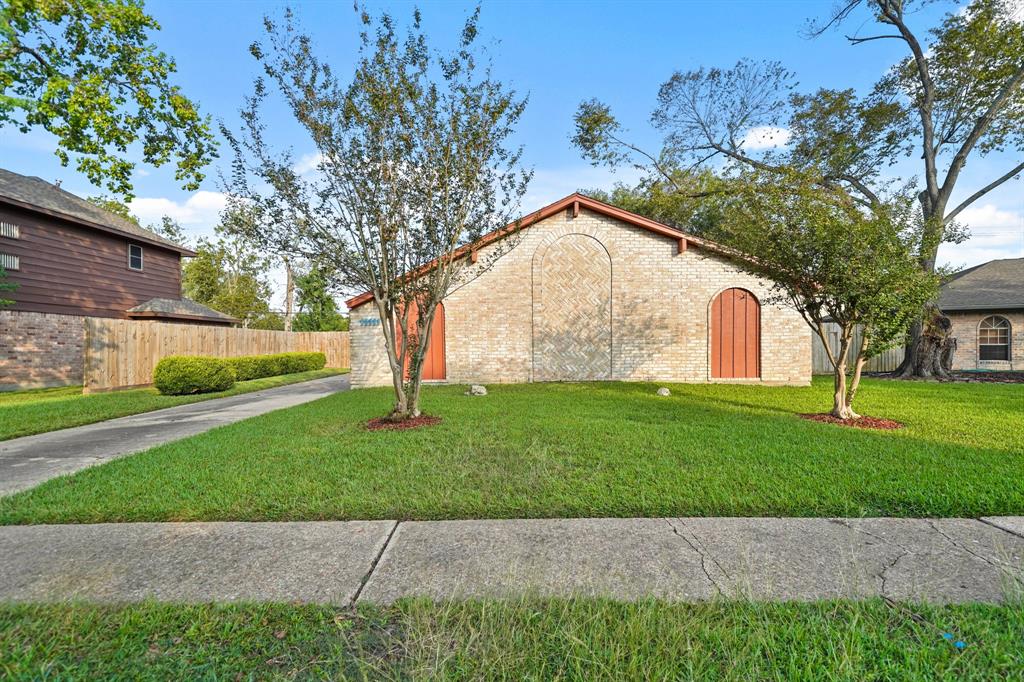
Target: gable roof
x,y
576,202
41,196
996,285
178,309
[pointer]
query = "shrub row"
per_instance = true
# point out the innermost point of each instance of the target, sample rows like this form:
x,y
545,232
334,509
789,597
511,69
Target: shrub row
x,y
182,375
258,366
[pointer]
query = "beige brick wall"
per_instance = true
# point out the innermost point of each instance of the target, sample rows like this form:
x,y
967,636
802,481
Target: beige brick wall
x,y
965,329
659,311
39,350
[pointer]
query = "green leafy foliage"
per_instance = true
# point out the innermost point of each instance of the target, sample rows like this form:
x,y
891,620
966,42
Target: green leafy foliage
x,y
184,375
247,367
318,312
6,286
86,72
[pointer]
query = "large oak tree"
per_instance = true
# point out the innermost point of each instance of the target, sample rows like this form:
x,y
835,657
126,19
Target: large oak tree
x,y
959,93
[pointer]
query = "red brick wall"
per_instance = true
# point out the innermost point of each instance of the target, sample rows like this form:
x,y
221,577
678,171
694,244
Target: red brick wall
x,y
40,350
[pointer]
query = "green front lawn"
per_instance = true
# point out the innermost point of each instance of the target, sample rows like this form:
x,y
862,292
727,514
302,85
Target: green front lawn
x,y
23,413
517,640
573,450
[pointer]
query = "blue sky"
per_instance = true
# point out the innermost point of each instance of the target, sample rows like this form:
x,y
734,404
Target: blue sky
x,y
557,52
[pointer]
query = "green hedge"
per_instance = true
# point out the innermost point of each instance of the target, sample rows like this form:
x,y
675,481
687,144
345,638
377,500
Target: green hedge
x,y
183,375
179,374
258,366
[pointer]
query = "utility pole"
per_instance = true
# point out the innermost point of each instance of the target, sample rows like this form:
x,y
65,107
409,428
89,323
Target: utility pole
x,y
289,294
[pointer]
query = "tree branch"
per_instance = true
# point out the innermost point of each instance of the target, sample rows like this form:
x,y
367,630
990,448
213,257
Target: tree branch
x,y
1016,170
854,40
980,126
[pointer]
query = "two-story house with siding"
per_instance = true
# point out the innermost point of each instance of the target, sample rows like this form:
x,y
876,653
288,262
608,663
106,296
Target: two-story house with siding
x,y
71,259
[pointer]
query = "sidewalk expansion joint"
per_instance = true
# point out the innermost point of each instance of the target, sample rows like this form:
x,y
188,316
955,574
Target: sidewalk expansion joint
x,y
373,564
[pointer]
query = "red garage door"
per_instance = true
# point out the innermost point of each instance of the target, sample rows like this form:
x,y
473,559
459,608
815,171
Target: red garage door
x,y
735,335
433,364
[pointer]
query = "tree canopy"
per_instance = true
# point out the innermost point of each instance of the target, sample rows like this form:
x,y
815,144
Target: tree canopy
x,y
86,72
318,312
230,275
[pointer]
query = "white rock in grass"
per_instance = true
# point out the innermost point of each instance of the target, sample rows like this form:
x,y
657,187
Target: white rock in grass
x,y
477,389
664,392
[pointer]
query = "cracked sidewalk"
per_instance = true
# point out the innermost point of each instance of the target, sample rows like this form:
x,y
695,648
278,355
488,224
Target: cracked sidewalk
x,y
693,559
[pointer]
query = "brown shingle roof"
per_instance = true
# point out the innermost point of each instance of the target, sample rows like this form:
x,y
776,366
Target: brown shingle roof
x,y
181,308
36,193
996,285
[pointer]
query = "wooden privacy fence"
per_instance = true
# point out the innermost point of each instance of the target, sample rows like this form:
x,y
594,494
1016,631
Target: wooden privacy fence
x,y
886,362
123,353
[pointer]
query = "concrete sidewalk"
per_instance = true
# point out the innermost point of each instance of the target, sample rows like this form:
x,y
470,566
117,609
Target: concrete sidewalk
x,y
941,560
28,461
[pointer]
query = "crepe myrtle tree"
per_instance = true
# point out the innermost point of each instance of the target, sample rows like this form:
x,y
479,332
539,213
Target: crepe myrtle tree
x,y
413,161
957,94
833,260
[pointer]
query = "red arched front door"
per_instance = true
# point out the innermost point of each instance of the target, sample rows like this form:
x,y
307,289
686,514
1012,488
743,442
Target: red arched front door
x,y
433,364
735,335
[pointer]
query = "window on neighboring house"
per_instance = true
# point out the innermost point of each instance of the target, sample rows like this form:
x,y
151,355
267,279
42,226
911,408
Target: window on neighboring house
x,y
10,262
134,256
994,338
10,230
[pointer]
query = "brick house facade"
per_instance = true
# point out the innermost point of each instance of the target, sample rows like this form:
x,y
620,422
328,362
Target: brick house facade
x,y
966,329
985,303
591,292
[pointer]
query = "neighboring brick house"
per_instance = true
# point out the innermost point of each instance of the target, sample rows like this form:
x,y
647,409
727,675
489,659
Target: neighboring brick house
x,y
593,292
986,306
70,260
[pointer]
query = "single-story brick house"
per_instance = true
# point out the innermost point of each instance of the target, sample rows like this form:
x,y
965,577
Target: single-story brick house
x,y
592,292
986,305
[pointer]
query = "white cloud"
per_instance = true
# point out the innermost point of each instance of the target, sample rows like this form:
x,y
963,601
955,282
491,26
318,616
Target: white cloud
x,y
308,163
766,137
201,209
995,233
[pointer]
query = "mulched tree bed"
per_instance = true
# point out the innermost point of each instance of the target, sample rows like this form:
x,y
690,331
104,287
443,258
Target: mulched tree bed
x,y
859,423
385,424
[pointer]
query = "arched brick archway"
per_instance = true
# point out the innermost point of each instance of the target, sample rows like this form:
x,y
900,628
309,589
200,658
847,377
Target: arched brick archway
x,y
735,335
572,325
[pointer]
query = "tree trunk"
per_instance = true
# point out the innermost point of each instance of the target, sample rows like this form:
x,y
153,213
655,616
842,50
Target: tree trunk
x,y
931,348
841,397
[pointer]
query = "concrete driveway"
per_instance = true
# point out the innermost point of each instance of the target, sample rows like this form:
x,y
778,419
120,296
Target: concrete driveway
x,y
26,462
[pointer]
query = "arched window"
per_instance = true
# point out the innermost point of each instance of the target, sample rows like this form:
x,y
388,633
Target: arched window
x,y
994,338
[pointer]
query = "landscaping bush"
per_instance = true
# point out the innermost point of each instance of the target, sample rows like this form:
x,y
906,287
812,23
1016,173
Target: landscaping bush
x,y
258,366
183,375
